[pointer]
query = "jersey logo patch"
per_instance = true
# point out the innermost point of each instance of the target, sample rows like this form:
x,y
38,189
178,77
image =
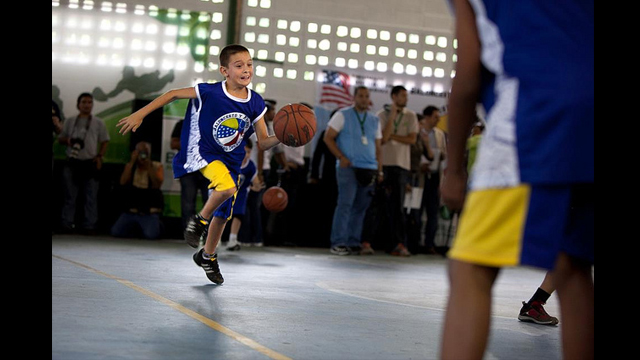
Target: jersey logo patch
x,y
229,129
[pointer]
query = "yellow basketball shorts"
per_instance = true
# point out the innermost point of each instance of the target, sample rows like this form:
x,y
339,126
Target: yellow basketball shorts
x,y
526,225
221,179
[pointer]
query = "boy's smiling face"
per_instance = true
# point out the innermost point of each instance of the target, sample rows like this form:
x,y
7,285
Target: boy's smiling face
x,y
240,69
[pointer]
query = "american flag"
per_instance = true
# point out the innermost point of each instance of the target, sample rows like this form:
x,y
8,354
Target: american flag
x,y
335,89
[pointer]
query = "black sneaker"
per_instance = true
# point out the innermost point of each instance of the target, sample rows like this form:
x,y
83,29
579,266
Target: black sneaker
x,y
340,250
196,227
210,266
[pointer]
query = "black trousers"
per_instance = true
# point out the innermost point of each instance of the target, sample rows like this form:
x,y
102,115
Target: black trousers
x,y
431,204
395,183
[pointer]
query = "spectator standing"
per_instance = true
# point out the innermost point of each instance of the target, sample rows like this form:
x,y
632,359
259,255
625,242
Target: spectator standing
x,y
421,155
295,176
431,194
86,138
354,137
399,132
323,189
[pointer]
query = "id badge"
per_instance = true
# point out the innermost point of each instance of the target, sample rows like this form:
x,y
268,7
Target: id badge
x,y
364,140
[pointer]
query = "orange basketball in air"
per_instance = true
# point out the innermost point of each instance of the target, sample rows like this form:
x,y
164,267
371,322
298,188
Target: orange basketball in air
x,y
294,125
275,199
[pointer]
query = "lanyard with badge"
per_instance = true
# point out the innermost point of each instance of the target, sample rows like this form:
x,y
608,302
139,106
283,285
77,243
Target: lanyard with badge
x,y
397,121
363,138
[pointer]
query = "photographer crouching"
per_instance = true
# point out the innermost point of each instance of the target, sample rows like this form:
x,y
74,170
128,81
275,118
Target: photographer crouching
x,y
86,138
141,197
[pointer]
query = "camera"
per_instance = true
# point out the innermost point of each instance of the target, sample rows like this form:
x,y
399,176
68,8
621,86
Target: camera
x,y
143,155
76,146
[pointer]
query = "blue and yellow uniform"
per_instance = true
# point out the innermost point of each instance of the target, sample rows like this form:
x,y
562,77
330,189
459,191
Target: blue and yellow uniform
x,y
247,173
531,190
215,130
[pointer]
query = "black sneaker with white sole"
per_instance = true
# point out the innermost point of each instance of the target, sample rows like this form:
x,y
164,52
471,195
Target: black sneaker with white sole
x,y
196,227
210,266
340,250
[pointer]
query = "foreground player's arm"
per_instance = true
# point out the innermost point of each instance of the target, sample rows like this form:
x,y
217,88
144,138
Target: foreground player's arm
x,y
265,141
465,90
133,121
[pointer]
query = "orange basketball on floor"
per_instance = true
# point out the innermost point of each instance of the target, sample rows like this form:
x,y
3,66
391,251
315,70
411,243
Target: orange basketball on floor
x,y
275,199
294,125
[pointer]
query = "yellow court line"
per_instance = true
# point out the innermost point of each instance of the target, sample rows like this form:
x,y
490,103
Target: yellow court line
x,y
210,323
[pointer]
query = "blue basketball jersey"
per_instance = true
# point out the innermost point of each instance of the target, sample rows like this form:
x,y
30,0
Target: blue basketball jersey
x,y
216,127
538,92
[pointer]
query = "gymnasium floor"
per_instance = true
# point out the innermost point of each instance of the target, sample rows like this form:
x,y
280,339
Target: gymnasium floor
x,y
139,299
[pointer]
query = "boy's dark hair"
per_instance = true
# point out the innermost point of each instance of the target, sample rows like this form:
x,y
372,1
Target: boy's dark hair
x,y
355,91
84,94
428,111
230,50
396,89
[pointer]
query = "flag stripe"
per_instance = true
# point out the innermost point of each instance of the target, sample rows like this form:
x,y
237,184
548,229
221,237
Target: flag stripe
x,y
338,97
336,92
335,89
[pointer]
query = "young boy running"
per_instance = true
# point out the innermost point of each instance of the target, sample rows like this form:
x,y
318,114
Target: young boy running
x,y
219,119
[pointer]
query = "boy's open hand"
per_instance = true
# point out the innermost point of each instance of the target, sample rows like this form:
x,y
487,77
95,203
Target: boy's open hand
x,y
129,123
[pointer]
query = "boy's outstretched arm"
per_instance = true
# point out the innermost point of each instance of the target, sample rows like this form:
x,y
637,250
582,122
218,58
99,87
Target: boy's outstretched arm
x,y
133,121
265,141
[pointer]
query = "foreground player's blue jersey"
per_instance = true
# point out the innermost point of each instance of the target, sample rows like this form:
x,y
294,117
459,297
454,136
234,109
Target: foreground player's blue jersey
x,y
216,126
538,91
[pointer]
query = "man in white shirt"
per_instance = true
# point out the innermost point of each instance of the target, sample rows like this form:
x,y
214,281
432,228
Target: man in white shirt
x,y
399,131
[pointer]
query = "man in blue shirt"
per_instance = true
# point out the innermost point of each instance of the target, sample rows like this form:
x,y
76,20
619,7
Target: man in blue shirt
x,y
354,136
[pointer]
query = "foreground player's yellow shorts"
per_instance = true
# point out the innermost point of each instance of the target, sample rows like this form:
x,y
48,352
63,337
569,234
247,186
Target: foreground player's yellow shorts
x,y
526,225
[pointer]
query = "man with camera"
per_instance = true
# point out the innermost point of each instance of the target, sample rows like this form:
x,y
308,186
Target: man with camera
x,y
86,138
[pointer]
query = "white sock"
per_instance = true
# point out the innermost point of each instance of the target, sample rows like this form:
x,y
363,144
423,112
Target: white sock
x,y
233,240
